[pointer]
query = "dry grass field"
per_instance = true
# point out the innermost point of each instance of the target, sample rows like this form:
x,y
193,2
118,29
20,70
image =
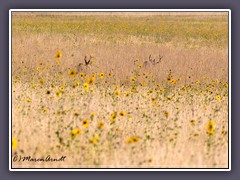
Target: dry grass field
x,y
153,95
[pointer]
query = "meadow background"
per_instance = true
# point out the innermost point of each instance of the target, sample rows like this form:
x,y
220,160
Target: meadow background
x,y
119,113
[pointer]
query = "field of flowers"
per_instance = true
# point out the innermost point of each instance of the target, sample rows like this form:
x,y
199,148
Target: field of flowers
x,y
120,91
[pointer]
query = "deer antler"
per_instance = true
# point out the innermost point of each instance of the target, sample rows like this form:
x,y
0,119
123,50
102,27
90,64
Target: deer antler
x,y
153,61
87,61
150,59
160,59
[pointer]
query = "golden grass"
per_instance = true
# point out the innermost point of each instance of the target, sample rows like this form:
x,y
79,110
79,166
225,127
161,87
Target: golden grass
x,y
156,116
120,13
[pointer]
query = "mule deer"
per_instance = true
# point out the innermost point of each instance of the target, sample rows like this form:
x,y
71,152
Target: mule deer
x,y
152,61
86,65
